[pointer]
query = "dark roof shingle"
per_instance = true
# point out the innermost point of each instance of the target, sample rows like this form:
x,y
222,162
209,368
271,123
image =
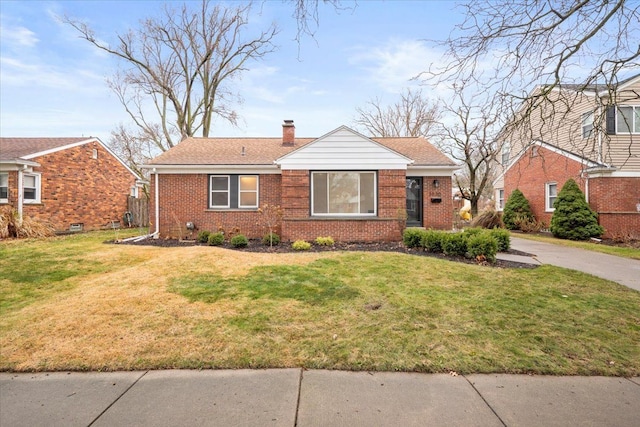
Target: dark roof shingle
x,y
15,148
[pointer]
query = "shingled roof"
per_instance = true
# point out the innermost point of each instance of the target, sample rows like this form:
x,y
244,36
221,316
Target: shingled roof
x,y
17,148
264,151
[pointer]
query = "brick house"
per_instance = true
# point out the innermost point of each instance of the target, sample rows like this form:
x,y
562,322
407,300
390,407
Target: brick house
x,y
342,184
592,136
70,183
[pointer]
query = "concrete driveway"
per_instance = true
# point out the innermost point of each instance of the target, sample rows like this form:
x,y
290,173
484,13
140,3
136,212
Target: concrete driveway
x,y
617,269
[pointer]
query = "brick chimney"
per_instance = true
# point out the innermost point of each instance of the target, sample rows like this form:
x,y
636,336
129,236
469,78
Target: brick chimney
x,y
288,133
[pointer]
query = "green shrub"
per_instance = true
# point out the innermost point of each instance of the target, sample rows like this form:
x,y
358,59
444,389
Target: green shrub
x,y
301,245
472,231
517,206
271,239
215,239
482,246
573,218
502,238
432,240
454,244
325,241
412,237
239,241
203,236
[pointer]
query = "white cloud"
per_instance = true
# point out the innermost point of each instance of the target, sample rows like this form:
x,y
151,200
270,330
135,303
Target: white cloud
x,y
18,37
393,65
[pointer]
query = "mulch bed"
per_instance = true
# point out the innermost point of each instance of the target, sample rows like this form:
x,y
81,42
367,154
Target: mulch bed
x,y
258,246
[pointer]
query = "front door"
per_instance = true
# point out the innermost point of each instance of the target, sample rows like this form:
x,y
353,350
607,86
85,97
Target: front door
x,y
414,201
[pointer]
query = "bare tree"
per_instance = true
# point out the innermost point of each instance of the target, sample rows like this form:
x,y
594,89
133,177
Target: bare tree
x,y
177,66
412,115
470,139
135,148
509,46
306,14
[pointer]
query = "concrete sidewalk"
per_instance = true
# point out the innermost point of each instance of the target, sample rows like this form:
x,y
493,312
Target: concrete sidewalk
x,y
617,269
295,397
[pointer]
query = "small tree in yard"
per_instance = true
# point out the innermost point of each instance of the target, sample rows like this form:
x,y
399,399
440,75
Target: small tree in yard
x,y
573,218
515,210
271,215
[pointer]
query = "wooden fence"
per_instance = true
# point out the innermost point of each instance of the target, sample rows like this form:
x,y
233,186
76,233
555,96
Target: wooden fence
x,y
139,209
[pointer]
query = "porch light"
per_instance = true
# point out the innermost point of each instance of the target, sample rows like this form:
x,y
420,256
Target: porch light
x,y
436,183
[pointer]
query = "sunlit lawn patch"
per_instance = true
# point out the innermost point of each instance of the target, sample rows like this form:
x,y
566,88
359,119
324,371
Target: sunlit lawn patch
x,y
137,307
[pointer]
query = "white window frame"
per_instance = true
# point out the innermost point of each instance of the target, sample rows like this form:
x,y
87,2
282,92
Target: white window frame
x,y
342,214
6,175
500,199
548,204
505,154
634,125
256,191
586,120
211,191
37,188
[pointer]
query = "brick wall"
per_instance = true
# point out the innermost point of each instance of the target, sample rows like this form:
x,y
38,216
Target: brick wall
x,y
615,199
185,198
437,215
76,188
531,173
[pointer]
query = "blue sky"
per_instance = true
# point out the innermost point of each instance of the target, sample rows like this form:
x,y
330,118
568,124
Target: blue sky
x,y
53,84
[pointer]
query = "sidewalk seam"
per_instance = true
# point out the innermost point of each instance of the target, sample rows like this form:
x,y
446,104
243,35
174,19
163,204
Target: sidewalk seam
x,y
295,419
118,398
485,401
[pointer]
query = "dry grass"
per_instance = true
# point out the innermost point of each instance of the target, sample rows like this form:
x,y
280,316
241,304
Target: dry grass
x,y
12,226
130,307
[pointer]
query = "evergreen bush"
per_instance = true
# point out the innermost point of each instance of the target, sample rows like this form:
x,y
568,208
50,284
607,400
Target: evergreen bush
x,y
239,241
482,246
215,239
325,241
271,239
502,238
432,240
203,236
573,219
412,237
454,244
517,207
301,245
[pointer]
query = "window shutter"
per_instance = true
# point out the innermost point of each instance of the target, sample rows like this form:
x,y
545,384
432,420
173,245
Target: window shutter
x,y
234,191
611,120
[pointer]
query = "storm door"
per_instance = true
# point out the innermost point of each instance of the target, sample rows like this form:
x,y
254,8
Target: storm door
x,y
414,201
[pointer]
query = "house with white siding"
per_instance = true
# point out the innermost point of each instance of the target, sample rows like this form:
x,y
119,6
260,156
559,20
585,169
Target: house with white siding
x,y
588,133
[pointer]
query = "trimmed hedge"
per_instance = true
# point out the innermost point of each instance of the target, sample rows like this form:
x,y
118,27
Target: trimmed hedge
x,y
203,236
301,245
432,241
482,246
412,237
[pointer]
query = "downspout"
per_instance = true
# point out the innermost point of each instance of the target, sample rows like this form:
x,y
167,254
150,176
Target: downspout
x,y
20,196
600,135
156,234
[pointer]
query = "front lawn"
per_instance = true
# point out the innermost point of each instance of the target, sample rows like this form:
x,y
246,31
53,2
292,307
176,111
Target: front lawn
x,y
75,303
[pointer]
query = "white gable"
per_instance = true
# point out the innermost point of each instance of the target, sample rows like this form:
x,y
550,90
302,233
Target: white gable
x,y
343,149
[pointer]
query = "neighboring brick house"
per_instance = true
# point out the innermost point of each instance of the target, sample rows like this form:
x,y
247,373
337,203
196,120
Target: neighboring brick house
x,y
70,183
592,136
342,185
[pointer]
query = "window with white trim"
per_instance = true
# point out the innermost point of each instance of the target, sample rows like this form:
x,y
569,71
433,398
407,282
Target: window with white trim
x,y
248,191
31,188
506,153
550,195
500,199
220,191
234,191
4,187
344,193
587,124
628,119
